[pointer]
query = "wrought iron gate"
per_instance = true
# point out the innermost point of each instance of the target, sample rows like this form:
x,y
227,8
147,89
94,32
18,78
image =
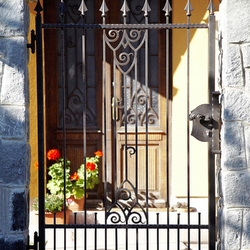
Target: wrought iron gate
x,y
135,128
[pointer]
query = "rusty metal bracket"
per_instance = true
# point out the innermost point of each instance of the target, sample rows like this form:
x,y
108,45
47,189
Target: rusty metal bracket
x,y
206,123
32,45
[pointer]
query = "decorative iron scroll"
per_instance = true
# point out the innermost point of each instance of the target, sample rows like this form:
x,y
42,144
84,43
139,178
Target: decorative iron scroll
x,y
126,208
138,103
131,151
74,91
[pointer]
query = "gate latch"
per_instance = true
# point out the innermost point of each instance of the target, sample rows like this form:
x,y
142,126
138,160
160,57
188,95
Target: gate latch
x,y
32,45
202,122
206,123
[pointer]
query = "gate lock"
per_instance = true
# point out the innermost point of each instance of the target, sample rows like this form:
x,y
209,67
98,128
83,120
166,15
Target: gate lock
x,y
32,45
206,123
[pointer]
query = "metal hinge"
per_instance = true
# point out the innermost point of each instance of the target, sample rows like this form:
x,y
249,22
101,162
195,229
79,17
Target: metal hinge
x,y
32,44
206,123
35,245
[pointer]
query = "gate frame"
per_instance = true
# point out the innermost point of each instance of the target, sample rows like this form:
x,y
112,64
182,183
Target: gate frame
x,y
214,146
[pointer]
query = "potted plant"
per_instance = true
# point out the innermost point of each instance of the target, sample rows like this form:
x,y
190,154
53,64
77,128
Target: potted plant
x,y
54,207
73,186
59,172
80,184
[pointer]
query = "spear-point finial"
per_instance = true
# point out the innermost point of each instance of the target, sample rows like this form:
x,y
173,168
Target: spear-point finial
x,y
104,8
83,8
125,8
211,8
38,7
189,8
62,8
146,8
167,8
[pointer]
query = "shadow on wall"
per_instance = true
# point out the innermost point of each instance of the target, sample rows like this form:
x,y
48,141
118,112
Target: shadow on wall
x,y
14,158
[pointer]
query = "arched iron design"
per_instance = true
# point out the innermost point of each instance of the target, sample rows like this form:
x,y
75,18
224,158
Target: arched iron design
x,y
73,13
126,212
150,115
126,45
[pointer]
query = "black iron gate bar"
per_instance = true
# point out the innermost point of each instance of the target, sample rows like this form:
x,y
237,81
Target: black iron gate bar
x,y
167,26
128,226
125,26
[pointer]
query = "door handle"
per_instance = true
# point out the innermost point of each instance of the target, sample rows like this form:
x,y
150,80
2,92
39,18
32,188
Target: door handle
x,y
114,109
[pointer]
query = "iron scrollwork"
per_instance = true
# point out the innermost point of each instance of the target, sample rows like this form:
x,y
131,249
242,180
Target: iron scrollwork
x,y
131,150
138,103
126,213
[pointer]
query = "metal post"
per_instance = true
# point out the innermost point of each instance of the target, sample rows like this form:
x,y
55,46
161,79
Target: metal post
x,y
40,119
211,163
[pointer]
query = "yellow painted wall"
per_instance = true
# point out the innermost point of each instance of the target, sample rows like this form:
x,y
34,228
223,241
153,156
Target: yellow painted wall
x,y
198,95
33,111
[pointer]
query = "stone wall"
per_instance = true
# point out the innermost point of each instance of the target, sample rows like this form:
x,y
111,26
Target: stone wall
x,y
234,204
14,147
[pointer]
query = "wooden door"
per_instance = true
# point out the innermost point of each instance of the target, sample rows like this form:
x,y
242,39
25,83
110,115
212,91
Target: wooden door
x,y
138,102
109,124
66,92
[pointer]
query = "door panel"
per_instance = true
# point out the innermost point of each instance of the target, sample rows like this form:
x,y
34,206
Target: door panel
x,y
134,85
136,89
68,98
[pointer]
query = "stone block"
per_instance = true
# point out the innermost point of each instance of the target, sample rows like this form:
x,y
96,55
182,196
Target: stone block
x,y
235,188
233,74
247,79
13,122
236,105
19,208
246,64
14,18
14,218
14,83
233,155
13,243
2,242
232,229
14,162
246,230
2,210
245,48
247,142
235,20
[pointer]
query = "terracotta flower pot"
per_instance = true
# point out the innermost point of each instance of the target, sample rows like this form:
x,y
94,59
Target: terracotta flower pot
x,y
49,217
75,204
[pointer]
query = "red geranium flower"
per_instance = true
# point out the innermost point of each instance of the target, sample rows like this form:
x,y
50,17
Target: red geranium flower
x,y
98,153
74,177
53,154
90,166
